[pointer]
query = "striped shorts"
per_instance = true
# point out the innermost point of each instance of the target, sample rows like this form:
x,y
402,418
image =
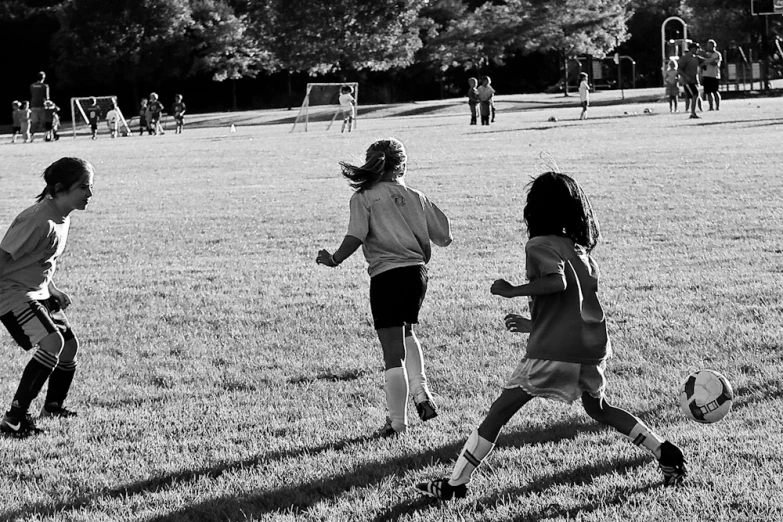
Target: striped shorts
x,y
31,321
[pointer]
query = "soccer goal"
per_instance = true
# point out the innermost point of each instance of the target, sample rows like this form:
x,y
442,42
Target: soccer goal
x,y
79,107
321,103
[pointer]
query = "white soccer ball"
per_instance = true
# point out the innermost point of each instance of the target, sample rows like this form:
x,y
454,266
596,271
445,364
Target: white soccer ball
x,y
553,119
706,396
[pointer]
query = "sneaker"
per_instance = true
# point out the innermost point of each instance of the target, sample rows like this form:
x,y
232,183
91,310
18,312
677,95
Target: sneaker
x,y
387,431
694,117
442,490
55,410
19,426
426,410
672,464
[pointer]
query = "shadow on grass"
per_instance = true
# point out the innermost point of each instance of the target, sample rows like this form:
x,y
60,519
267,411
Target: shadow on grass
x,y
755,393
299,497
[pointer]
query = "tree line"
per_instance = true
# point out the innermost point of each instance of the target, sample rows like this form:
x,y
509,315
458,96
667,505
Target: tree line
x,y
417,46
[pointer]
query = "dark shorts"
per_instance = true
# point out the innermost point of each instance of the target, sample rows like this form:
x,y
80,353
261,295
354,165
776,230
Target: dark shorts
x,y
710,84
94,125
30,322
396,296
585,104
692,90
48,125
179,119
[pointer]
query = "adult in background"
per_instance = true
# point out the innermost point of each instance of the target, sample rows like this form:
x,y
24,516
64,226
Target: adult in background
x,y
711,74
688,69
39,93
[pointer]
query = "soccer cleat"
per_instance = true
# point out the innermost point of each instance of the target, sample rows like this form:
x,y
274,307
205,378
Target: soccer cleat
x,y
19,427
672,464
426,410
387,431
442,490
694,117
55,410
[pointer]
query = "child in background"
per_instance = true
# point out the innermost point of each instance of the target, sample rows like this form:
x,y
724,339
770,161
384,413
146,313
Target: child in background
x,y
178,110
394,224
584,95
31,306
473,100
50,114
672,86
486,99
143,125
16,118
348,106
154,111
94,114
113,118
25,117
568,345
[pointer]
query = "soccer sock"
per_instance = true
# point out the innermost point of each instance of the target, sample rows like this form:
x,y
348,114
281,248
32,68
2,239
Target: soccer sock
x,y
641,435
397,398
414,365
33,378
60,383
473,453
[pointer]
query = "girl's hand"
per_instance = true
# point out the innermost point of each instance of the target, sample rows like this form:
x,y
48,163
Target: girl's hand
x,y
502,288
518,324
325,258
62,298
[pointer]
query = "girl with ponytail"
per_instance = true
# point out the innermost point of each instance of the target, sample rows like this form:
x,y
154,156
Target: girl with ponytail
x,y
395,226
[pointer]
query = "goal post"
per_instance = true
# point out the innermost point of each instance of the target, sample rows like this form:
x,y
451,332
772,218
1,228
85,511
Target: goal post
x,y
322,103
80,105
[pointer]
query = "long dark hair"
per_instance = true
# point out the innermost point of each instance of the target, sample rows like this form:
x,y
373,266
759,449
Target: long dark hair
x,y
385,160
557,205
63,174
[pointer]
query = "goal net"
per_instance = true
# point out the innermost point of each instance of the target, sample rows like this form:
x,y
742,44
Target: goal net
x,y
322,103
80,109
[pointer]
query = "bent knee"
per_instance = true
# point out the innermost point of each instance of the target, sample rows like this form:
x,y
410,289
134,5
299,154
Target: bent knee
x,y
52,343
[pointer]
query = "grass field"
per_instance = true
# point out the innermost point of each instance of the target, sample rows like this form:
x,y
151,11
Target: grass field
x,y
225,376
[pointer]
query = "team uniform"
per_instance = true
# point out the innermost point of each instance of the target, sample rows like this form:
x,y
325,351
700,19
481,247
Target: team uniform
x,y
567,350
154,110
93,117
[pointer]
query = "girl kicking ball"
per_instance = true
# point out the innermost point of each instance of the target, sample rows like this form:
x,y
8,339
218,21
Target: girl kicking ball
x,y
31,306
394,224
568,344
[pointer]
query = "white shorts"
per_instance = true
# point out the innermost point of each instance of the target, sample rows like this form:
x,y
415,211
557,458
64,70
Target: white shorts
x,y
348,111
557,380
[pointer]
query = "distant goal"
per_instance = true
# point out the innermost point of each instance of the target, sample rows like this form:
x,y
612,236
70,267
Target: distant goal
x,y
321,103
79,107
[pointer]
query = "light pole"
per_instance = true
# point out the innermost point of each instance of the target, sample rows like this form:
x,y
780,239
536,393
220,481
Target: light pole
x,y
664,58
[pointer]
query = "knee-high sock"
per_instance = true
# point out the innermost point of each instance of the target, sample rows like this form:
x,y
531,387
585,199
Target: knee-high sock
x,y
414,365
641,435
397,398
473,453
33,378
60,383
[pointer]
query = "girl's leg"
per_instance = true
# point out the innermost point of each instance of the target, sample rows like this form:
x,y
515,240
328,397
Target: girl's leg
x,y
60,381
35,373
479,444
669,456
417,379
393,344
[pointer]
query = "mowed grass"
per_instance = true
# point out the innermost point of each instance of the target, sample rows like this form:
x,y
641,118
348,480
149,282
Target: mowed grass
x,y
225,376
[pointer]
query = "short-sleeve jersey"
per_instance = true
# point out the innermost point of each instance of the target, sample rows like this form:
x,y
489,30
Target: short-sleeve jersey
x,y
568,326
39,93
473,95
396,225
35,240
49,113
584,92
712,70
16,114
154,108
485,93
177,109
688,68
93,114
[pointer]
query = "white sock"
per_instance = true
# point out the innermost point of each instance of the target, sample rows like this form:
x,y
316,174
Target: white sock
x,y
473,453
641,435
414,365
397,398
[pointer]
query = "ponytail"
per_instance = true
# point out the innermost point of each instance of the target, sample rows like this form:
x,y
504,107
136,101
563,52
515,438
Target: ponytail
x,y
385,160
62,175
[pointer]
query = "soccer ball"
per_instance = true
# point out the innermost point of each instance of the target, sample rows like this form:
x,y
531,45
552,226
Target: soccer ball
x,y
706,396
553,119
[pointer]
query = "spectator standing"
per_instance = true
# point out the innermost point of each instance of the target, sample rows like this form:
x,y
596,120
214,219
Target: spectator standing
x,y
688,69
711,74
39,93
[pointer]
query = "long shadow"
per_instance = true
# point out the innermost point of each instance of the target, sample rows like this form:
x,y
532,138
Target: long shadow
x,y
751,394
774,121
299,497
